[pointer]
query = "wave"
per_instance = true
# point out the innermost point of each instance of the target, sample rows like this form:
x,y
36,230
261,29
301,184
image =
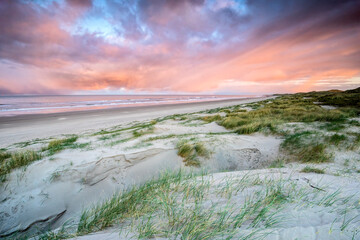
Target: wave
x,y
53,104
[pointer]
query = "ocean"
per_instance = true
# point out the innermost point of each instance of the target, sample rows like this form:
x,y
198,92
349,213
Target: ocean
x,y
19,105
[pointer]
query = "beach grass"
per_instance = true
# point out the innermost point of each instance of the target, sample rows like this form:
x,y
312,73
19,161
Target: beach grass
x,y
278,163
172,206
336,139
308,169
132,127
58,145
306,147
269,115
140,132
211,118
333,126
4,154
133,202
308,153
342,99
17,159
176,206
190,152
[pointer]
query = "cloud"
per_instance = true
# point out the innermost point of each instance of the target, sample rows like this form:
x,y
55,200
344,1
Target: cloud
x,y
190,45
80,3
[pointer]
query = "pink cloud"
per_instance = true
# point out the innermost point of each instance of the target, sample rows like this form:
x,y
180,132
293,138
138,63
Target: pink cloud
x,y
178,46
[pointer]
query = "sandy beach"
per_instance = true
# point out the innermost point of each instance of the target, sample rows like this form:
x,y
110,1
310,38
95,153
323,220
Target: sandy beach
x,y
249,168
27,127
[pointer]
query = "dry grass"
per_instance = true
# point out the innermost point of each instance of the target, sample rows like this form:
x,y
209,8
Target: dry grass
x,y
211,118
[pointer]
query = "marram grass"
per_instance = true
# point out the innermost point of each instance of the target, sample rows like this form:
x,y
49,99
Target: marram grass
x,y
17,159
176,206
191,151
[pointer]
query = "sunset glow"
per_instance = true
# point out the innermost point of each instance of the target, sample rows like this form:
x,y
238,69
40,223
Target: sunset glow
x,y
178,46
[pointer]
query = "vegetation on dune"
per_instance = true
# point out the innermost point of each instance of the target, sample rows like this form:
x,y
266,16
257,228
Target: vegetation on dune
x,y
133,127
15,159
58,145
176,206
308,169
356,143
305,147
161,137
330,126
10,161
270,115
347,98
211,118
143,131
190,152
336,139
285,109
172,207
138,127
4,155
135,131
278,163
315,154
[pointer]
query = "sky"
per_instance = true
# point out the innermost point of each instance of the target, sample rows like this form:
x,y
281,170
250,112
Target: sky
x,y
178,46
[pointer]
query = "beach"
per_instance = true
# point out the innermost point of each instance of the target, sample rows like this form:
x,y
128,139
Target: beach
x,y
276,167
31,126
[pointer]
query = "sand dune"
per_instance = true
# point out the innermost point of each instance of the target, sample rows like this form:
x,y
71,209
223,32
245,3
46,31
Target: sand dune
x,y
102,161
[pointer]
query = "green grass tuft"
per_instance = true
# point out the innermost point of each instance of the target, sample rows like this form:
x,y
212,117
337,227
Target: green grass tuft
x,y
308,169
305,147
333,126
58,145
140,132
278,163
4,155
191,151
18,159
201,150
314,154
336,139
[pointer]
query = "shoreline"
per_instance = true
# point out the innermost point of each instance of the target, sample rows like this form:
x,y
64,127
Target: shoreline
x,y
27,127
